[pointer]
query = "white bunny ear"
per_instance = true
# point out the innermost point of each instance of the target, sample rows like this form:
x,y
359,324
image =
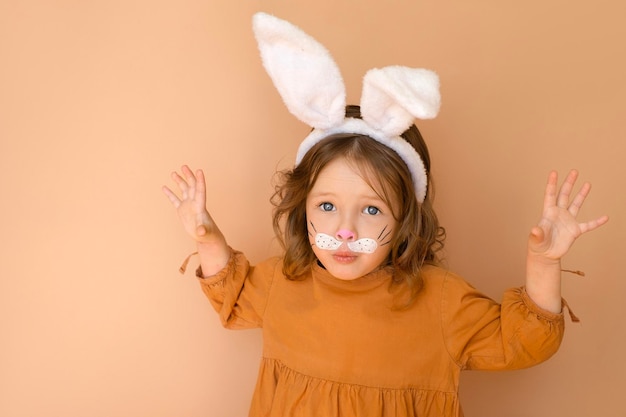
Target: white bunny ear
x,y
310,83
302,70
394,96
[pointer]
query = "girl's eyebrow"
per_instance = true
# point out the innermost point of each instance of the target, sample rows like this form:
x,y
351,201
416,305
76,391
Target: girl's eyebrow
x,y
373,197
322,193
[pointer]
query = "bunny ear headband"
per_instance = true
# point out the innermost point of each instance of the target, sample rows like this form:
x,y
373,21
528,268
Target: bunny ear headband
x,y
310,84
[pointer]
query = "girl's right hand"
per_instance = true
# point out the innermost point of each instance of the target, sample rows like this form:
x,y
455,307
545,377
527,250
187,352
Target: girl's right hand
x,y
191,206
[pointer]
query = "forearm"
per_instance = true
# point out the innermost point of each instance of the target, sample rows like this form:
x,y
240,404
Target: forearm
x,y
543,282
214,254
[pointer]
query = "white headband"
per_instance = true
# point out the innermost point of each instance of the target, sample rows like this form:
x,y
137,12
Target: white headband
x,y
310,84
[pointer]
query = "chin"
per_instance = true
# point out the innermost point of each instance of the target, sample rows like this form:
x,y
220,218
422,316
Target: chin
x,y
349,266
346,272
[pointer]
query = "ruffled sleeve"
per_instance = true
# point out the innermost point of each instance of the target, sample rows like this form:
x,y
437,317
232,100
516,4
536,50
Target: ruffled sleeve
x,y
239,292
482,334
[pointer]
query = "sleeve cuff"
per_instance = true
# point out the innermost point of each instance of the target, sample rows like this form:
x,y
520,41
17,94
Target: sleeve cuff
x,y
545,314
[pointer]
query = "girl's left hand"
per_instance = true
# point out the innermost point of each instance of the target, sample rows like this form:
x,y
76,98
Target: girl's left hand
x,y
558,228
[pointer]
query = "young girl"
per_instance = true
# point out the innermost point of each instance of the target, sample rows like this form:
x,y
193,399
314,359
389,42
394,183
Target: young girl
x,y
358,318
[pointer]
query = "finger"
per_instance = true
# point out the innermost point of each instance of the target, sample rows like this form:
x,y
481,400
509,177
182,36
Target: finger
x,y
566,189
578,201
593,224
200,186
187,172
181,183
171,196
537,235
191,180
550,194
537,240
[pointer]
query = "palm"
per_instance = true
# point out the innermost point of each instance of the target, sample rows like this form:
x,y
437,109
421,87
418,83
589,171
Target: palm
x,y
191,206
559,228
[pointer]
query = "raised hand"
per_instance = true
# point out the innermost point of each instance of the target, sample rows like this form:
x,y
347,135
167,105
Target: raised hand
x,y
558,228
191,205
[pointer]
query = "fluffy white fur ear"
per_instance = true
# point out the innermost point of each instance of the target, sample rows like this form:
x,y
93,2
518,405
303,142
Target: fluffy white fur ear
x,y
302,70
394,96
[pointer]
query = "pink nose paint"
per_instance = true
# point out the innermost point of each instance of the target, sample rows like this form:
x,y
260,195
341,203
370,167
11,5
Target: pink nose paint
x,y
345,234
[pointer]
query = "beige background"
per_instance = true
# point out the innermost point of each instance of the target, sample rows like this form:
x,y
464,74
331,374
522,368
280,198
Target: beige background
x,y
100,100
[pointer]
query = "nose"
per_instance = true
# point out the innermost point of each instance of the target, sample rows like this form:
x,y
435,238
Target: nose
x,y
345,234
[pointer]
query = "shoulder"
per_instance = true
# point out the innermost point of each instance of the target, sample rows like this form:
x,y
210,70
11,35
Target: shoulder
x,y
270,263
448,288
436,276
240,258
269,268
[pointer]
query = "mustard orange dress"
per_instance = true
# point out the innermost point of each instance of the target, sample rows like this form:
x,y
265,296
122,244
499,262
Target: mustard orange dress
x,y
337,348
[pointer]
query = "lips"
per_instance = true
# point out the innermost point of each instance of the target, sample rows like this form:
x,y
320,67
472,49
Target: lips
x,y
344,256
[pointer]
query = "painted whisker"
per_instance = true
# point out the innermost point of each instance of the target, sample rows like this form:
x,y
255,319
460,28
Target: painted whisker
x,y
386,234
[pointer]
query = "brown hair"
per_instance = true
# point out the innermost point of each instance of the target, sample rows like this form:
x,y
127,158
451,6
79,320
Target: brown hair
x,y
419,237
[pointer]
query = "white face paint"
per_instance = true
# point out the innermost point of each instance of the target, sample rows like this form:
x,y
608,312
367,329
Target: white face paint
x,y
327,242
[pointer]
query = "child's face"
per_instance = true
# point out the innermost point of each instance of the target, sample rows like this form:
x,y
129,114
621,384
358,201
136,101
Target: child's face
x,y
350,227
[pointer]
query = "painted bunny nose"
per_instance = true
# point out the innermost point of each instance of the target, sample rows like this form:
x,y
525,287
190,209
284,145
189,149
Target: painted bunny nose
x,y
345,234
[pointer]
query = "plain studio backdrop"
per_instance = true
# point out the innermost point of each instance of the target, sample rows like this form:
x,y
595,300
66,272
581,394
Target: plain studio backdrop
x,y
101,100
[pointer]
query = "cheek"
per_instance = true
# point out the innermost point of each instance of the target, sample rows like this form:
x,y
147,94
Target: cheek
x,y
379,257
316,223
380,229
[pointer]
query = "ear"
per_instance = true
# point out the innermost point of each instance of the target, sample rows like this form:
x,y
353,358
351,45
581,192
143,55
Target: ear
x,y
302,70
394,96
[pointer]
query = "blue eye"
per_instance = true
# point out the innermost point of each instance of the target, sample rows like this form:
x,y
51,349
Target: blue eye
x,y
371,210
327,206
